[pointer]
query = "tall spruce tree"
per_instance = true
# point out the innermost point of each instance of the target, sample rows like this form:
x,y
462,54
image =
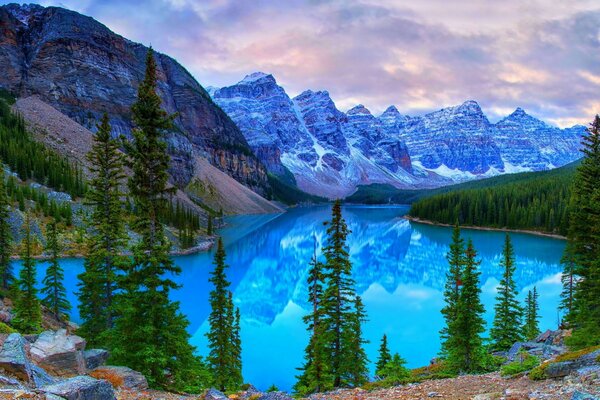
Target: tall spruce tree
x,y
507,325
569,281
55,294
314,377
6,273
456,260
384,357
150,333
356,361
224,344
466,352
28,313
531,327
338,297
584,243
107,238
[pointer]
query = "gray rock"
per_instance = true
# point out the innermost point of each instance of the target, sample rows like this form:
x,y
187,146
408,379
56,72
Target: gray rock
x,y
82,388
40,377
577,395
95,358
275,396
214,394
564,368
13,357
130,379
59,353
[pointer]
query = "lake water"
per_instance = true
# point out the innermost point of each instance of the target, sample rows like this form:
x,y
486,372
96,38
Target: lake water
x,y
399,268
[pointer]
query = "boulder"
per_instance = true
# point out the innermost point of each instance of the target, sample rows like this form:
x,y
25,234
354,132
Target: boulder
x,y
13,357
59,353
214,394
81,388
7,382
539,349
564,368
121,377
95,358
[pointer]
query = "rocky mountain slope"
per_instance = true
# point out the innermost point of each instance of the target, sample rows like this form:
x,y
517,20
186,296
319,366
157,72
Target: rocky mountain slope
x,y
330,153
81,68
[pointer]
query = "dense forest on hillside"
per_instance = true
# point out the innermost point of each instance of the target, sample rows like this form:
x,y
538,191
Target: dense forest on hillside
x,y
534,201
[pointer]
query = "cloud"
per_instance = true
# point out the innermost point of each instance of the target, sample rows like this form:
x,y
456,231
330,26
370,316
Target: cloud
x,y
543,56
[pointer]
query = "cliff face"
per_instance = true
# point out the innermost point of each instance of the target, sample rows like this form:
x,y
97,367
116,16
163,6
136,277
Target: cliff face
x,y
83,69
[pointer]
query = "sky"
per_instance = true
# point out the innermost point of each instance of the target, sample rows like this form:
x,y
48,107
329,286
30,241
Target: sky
x,y
541,55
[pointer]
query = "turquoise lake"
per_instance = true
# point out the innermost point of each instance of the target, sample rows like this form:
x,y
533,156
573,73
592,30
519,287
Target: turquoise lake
x,y
399,268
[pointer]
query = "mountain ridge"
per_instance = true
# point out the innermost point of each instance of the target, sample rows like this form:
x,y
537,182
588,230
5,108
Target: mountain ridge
x,y
333,152
83,69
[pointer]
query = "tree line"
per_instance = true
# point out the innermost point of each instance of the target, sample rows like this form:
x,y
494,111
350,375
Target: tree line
x,y
538,203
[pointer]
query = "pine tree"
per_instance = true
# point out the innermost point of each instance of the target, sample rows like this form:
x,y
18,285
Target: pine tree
x,y
356,361
584,243
569,281
531,328
6,273
315,375
209,226
54,290
107,239
150,333
384,357
338,296
456,260
466,352
506,329
28,313
395,371
224,342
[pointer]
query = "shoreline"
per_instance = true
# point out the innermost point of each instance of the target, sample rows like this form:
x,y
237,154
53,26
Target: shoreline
x,y
201,247
486,228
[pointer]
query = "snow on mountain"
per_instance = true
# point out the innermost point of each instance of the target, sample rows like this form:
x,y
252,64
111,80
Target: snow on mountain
x,y
308,141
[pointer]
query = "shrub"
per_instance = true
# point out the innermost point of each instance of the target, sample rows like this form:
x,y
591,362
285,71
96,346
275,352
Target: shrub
x,y
6,329
525,363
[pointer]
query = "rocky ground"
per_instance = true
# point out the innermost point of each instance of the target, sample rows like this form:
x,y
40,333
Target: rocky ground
x,y
481,387
57,365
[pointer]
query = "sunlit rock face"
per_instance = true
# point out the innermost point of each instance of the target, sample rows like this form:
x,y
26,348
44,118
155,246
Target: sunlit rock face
x,y
330,153
83,69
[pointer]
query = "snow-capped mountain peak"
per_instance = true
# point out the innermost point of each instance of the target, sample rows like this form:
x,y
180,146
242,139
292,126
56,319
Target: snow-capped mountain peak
x,y
330,152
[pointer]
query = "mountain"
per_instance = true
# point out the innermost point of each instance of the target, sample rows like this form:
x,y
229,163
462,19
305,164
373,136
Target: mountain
x,y
331,153
82,69
308,141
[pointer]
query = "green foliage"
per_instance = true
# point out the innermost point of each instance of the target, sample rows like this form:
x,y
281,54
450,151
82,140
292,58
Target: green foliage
x,y
290,194
531,327
55,294
384,357
395,371
224,343
583,249
5,329
27,309
334,356
507,328
272,389
32,160
6,240
524,363
150,332
533,201
106,240
456,261
464,345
